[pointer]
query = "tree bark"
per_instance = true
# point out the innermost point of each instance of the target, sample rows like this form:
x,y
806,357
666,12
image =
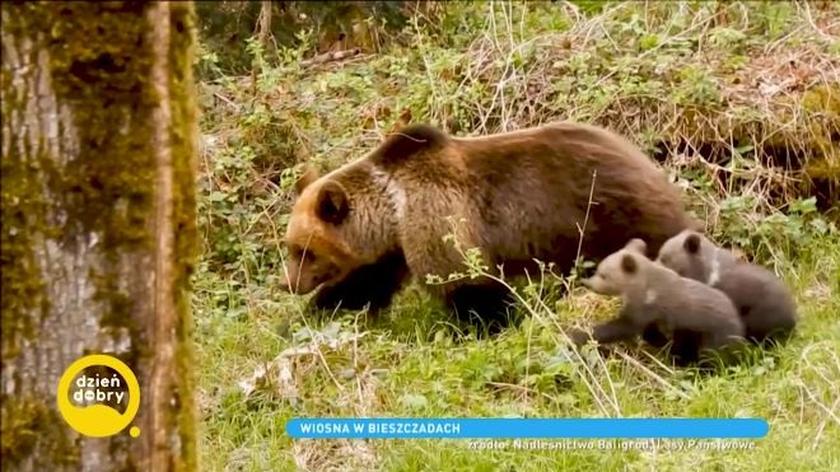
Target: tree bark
x,y
98,234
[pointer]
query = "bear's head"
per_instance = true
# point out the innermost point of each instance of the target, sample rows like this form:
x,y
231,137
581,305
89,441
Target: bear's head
x,y
348,218
620,272
687,254
338,224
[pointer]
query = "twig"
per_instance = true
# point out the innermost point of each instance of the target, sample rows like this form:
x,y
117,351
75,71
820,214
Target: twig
x,y
523,389
330,57
654,375
581,230
226,100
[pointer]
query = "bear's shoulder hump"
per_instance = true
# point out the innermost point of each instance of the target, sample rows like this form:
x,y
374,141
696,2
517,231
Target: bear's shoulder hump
x,y
408,142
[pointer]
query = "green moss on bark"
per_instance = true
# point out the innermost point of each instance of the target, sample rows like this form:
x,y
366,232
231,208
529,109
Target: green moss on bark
x,y
104,187
103,81
184,150
22,287
22,213
27,422
99,66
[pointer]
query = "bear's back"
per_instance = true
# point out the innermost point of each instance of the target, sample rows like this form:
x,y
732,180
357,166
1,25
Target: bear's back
x,y
761,298
532,189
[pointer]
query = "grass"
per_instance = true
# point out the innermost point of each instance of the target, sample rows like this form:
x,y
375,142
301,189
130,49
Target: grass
x,y
738,101
396,369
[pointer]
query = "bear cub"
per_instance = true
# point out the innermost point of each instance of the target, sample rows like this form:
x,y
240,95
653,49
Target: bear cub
x,y
764,303
654,294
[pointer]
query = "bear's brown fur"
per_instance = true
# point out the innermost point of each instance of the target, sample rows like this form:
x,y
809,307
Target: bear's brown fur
x,y
360,230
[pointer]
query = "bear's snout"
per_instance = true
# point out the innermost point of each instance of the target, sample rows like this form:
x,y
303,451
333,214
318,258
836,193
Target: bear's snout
x,y
301,279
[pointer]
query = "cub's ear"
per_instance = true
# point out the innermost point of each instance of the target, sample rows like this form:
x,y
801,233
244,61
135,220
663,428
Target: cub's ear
x,y
692,243
332,205
407,142
637,244
629,264
310,174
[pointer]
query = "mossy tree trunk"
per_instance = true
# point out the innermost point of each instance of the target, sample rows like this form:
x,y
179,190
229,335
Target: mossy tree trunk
x,y
98,232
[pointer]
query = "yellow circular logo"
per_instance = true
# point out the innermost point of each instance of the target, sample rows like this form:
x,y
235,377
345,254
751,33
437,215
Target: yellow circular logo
x,y
99,405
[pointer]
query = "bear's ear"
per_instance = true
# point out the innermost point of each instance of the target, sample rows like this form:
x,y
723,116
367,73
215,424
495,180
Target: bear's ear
x,y
332,205
692,243
310,174
407,142
629,264
638,245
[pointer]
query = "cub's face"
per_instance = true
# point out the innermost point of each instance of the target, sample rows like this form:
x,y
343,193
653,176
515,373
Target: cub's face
x,y
314,238
683,255
619,271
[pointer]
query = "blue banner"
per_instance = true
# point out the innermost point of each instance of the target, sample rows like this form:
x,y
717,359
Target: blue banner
x,y
521,428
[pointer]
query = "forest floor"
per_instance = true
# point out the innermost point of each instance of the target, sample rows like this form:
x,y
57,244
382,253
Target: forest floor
x,y
739,102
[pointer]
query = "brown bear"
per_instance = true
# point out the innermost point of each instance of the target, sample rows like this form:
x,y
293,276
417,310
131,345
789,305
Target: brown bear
x,y
359,231
763,301
656,295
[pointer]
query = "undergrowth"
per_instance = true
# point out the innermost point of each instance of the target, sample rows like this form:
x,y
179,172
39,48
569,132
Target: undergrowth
x,y
738,101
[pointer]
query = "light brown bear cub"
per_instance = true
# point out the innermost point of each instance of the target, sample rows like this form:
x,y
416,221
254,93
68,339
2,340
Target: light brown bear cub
x,y
763,301
357,233
653,294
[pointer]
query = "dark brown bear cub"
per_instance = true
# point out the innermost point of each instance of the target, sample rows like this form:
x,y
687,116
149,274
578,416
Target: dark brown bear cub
x,y
361,230
654,294
763,301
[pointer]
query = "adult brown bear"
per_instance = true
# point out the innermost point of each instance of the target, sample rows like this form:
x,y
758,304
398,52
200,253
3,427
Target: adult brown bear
x,y
361,230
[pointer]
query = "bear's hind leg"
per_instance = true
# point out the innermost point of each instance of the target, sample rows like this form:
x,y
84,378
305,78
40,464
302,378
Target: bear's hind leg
x,y
654,336
685,348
